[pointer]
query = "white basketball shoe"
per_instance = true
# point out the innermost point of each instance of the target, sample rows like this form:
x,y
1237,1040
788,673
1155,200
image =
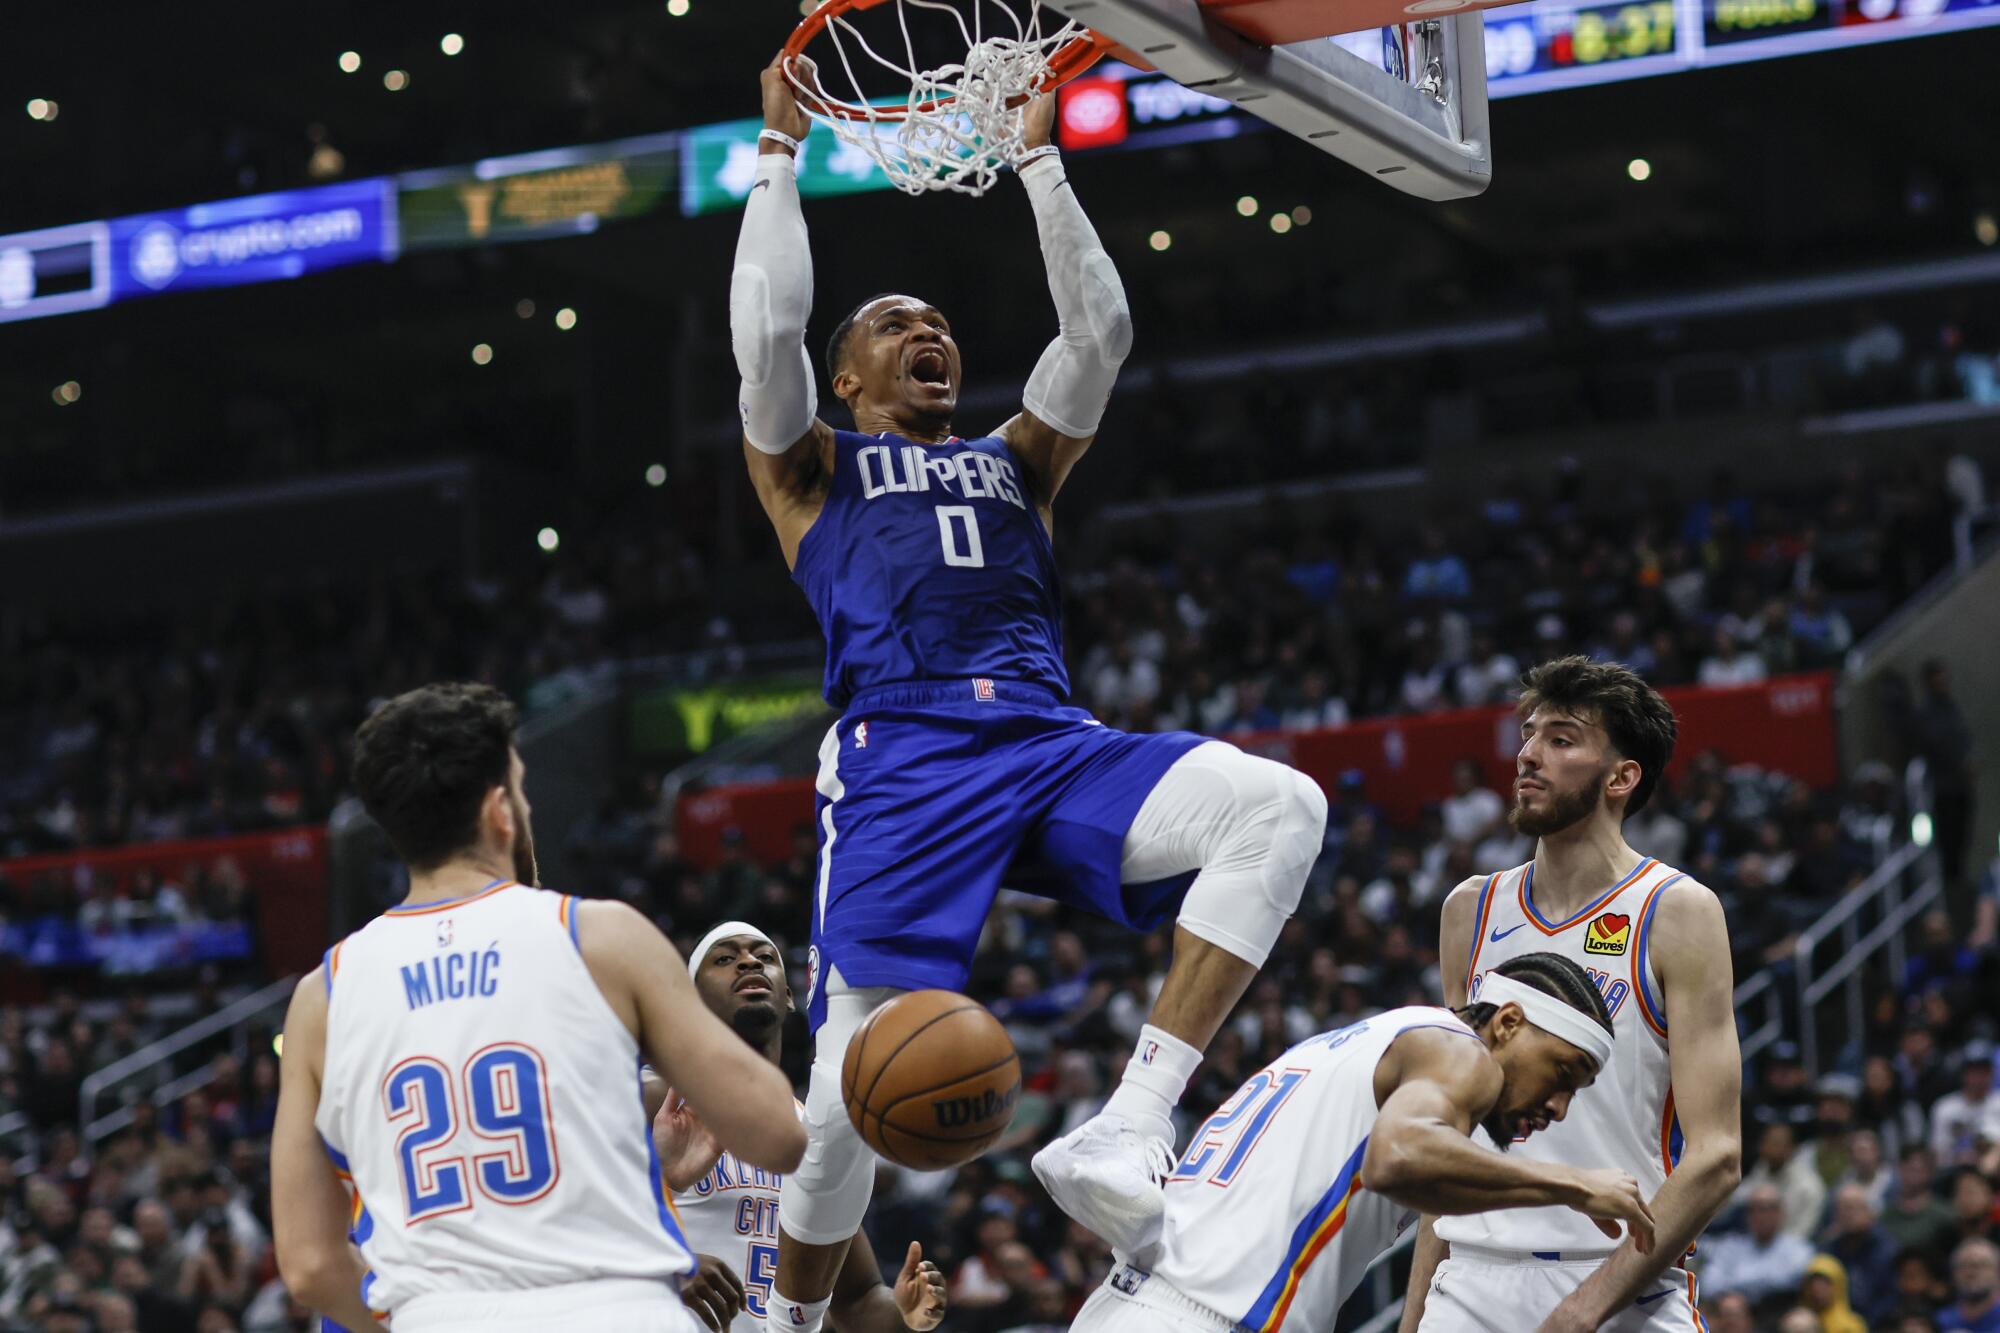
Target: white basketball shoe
x,y
1108,1176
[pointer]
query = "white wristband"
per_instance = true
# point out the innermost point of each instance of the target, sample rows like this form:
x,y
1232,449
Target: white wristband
x,y
779,136
1034,155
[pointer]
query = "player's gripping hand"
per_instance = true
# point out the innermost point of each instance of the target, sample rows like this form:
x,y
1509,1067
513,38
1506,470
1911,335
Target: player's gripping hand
x,y
714,1293
920,1290
688,1149
781,102
1611,1197
1038,121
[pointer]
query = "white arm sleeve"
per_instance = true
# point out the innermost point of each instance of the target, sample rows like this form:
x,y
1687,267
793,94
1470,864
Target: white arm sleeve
x,y
770,299
1072,382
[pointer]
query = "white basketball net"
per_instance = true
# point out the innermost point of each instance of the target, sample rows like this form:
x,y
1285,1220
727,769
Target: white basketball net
x,y
959,131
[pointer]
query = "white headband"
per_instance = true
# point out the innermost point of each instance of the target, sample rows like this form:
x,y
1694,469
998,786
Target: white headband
x,y
1551,1015
723,932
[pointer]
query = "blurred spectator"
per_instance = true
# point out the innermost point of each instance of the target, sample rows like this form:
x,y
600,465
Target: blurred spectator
x,y
1764,1259
1961,1120
1915,1218
1824,1293
1727,664
1975,1287
1781,1166
1473,810
1943,741
1865,1251
1731,1313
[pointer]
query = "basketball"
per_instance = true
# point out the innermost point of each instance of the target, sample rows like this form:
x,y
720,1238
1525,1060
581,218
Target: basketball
x,y
930,1080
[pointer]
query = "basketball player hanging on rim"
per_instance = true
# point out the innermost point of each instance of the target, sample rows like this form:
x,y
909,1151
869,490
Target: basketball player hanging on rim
x,y
1594,741
956,763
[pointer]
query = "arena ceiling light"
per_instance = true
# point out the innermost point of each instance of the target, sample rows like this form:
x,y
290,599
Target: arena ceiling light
x,y
656,475
350,62
1247,206
42,109
396,80
451,43
565,319
1639,169
678,8
1160,240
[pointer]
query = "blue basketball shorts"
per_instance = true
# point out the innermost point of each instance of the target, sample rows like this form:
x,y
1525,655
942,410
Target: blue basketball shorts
x,y
933,796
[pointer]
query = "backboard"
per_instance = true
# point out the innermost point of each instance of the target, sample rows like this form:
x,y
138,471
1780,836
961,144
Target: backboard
x,y
1405,103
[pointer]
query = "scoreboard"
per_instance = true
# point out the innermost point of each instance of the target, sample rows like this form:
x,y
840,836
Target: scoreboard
x,y
1553,44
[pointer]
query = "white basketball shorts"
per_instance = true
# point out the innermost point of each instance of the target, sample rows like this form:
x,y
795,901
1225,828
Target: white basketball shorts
x,y
629,1306
1494,1292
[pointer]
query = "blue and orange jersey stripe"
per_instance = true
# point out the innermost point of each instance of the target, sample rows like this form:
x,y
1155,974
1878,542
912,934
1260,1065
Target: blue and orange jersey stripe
x,y
1313,1234
566,914
1481,912
1651,1007
1547,927
421,908
331,962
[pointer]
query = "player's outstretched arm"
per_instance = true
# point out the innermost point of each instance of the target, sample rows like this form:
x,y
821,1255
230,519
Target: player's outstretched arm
x,y
739,1095
1455,927
770,299
309,1208
1691,949
1440,1084
1065,398
863,1303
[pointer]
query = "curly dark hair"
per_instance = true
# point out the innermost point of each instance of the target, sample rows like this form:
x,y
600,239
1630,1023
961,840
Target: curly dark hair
x,y
424,762
1639,722
1552,974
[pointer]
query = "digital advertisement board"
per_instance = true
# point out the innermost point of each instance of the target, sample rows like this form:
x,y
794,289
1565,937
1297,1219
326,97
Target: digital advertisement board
x,y
533,196
261,238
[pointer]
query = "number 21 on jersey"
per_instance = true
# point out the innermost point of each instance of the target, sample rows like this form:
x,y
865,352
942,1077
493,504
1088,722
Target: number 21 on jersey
x,y
1225,1142
504,1102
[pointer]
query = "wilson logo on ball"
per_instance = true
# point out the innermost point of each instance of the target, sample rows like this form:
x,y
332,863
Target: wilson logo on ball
x,y
957,1112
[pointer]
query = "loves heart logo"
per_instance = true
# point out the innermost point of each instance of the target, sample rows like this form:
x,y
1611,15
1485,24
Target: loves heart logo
x,y
1608,934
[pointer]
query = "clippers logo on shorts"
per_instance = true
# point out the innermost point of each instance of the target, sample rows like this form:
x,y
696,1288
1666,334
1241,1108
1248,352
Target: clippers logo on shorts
x,y
982,690
1608,934
812,974
860,735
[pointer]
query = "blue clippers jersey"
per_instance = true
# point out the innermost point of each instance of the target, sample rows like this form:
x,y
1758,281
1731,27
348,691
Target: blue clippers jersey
x,y
929,562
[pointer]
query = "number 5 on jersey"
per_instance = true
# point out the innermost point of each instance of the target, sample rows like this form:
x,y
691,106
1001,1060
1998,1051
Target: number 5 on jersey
x,y
506,1103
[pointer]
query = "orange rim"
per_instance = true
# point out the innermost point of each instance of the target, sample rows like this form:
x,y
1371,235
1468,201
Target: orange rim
x,y
1069,60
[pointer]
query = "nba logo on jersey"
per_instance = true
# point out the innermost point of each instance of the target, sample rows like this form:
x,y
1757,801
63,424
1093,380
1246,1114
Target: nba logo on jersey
x,y
444,932
861,735
1152,1049
1608,934
982,690
798,1315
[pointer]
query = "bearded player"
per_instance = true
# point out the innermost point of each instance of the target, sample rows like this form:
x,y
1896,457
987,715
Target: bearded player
x,y
1298,1181
730,1215
1594,741
927,559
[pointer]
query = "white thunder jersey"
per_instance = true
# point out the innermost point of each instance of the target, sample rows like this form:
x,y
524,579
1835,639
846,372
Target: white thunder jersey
x,y
484,1099
1266,1219
1625,1120
732,1213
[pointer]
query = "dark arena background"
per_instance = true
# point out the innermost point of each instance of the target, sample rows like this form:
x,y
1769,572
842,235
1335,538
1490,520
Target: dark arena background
x,y
345,348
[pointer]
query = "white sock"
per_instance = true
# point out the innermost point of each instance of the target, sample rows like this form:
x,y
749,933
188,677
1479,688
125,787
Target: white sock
x,y
1155,1077
785,1315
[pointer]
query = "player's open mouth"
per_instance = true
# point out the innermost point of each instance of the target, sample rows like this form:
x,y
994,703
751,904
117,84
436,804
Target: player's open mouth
x,y
930,369
753,985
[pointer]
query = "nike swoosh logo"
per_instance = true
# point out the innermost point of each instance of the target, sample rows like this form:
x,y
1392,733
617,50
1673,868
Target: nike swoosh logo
x,y
1499,935
758,186
1656,1296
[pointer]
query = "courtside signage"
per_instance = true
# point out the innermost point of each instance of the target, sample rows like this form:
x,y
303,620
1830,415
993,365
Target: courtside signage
x,y
261,238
